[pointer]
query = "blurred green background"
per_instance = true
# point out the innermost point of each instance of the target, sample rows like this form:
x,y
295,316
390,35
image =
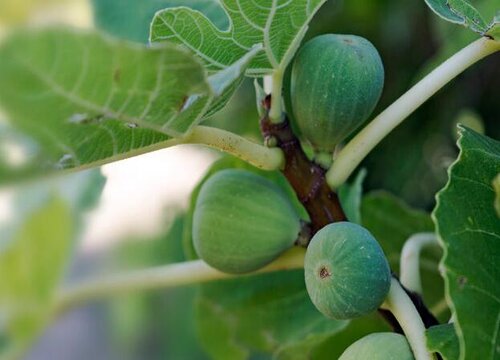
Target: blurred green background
x,y
411,163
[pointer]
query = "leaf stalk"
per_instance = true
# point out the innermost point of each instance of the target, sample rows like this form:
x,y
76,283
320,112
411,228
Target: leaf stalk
x,y
163,277
402,307
258,155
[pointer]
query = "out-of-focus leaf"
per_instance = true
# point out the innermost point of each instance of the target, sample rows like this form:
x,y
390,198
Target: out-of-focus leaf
x,y
18,11
31,266
130,19
279,26
157,324
264,314
469,232
350,197
443,340
35,245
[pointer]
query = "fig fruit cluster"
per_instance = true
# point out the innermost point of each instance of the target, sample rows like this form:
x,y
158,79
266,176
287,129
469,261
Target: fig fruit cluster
x,y
336,82
243,221
346,272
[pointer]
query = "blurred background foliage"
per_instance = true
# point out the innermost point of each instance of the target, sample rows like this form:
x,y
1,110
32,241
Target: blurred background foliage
x,y
411,163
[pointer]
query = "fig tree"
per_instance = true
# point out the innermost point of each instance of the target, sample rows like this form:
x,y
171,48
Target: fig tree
x,y
379,346
336,82
346,272
242,221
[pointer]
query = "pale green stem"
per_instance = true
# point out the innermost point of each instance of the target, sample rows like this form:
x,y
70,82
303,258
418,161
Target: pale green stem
x,y
364,142
401,306
257,155
168,276
410,260
276,112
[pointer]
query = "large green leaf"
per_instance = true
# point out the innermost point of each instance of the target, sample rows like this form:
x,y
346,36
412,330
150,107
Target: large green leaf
x,y
31,266
392,222
469,232
87,99
443,339
268,313
131,19
462,12
279,25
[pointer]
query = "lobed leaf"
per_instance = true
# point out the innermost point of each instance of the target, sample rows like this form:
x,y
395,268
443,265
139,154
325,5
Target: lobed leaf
x,y
86,99
279,25
469,232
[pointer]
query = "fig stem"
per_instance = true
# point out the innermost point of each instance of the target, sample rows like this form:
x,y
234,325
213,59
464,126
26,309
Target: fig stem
x,y
410,260
401,306
276,111
306,177
258,155
162,277
364,142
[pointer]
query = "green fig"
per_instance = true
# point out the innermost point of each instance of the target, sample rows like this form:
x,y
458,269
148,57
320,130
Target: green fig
x,y
242,222
379,346
346,272
336,82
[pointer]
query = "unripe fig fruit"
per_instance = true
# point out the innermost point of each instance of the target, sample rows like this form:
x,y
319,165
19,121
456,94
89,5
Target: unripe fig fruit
x,y
242,222
346,272
379,346
336,82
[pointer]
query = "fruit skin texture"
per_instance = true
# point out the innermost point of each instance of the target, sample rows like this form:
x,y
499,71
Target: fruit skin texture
x,y
379,346
336,82
346,272
242,222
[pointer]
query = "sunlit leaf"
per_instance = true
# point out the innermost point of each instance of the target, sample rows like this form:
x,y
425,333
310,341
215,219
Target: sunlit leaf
x,y
277,24
86,99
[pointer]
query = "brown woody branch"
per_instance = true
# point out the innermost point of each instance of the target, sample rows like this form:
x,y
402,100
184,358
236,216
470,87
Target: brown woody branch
x,y
306,177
